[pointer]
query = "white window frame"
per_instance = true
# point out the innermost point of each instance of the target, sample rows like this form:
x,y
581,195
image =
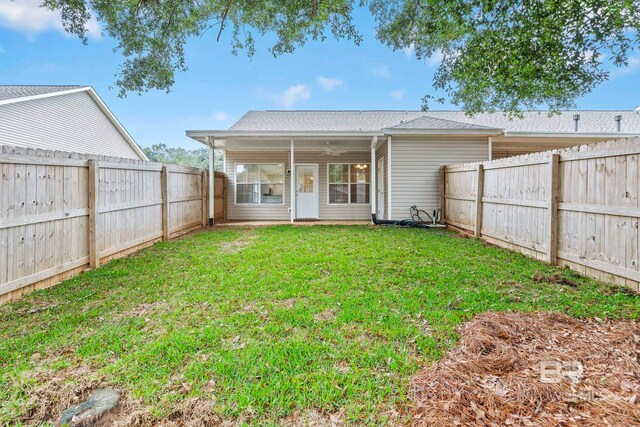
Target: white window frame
x,y
235,183
329,183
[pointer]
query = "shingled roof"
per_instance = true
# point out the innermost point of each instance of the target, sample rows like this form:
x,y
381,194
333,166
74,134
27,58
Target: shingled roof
x,y
425,122
12,92
376,120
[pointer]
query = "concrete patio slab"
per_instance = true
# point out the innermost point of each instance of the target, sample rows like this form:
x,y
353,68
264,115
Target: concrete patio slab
x,y
297,223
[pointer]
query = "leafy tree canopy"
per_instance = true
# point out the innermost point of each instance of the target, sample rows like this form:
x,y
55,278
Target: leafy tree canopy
x,y
198,158
496,54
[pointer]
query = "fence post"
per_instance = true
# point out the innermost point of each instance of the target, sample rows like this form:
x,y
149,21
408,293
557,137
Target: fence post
x,y
164,177
93,182
205,216
443,198
552,237
479,193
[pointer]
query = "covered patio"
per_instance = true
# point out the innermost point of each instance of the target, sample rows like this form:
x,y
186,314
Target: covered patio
x,y
240,224
300,176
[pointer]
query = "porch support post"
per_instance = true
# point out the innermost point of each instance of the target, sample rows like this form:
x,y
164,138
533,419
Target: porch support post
x,y
372,177
212,177
293,184
389,180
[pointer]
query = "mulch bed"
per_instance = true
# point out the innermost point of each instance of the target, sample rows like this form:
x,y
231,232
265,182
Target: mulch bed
x,y
534,369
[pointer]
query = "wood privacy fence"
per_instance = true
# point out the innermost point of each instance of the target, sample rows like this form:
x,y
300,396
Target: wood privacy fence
x,y
61,213
576,207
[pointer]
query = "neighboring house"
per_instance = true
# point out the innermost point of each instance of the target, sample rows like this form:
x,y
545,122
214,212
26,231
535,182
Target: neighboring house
x,y
65,118
350,164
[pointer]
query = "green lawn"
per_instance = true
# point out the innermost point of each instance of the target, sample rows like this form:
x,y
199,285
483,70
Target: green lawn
x,y
268,322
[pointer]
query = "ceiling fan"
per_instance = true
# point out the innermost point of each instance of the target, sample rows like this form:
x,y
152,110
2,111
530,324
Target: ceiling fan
x,y
332,151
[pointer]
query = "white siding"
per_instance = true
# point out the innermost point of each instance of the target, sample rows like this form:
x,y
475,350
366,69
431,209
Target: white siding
x,y
338,212
71,122
255,212
415,165
245,212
